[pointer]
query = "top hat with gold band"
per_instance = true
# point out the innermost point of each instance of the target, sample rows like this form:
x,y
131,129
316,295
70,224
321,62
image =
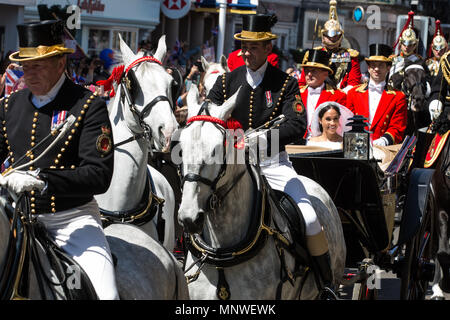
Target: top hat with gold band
x,y
379,52
439,41
332,27
40,40
257,27
317,59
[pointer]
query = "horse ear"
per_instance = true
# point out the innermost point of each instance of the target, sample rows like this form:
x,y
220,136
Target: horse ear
x,y
127,54
192,101
224,111
162,48
224,63
205,63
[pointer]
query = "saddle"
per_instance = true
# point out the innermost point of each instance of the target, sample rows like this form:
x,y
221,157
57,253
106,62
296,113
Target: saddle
x,y
33,255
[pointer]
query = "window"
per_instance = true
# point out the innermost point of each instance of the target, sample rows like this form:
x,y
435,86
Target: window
x,y
128,36
98,40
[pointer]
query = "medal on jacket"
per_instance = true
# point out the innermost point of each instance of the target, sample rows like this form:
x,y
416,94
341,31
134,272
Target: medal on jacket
x,y
104,141
269,101
298,105
59,116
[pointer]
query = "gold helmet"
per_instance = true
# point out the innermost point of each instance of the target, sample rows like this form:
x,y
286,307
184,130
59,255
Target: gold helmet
x,y
408,36
332,27
439,41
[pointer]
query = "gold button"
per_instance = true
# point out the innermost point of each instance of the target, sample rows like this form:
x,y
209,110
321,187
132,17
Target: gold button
x,y
85,106
33,205
31,156
73,130
66,143
59,156
31,168
32,144
33,138
34,125
33,131
36,114
52,198
53,210
33,211
62,167
69,137
56,161
34,120
79,118
76,124
88,101
72,167
32,192
33,199
82,112
63,149
52,204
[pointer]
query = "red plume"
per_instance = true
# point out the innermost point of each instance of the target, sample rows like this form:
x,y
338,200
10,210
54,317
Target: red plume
x,y
116,76
408,22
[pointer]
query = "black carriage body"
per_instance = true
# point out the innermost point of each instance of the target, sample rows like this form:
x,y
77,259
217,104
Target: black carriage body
x,y
354,186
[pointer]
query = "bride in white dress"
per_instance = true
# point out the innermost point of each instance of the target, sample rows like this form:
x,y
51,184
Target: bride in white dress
x,y
328,125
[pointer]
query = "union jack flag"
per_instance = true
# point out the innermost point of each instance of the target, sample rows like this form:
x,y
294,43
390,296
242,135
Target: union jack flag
x,y
59,116
5,165
12,76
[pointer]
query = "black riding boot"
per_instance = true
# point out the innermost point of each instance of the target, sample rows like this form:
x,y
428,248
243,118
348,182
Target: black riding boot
x,y
322,268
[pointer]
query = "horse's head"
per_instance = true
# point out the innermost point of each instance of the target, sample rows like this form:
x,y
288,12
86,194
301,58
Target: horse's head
x,y
415,86
203,150
212,72
150,90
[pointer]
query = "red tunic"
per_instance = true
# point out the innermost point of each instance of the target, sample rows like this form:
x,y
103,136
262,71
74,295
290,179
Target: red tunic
x,y
390,118
235,60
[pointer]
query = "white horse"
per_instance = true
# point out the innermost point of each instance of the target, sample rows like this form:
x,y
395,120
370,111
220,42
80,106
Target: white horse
x,y
224,230
212,72
144,270
150,95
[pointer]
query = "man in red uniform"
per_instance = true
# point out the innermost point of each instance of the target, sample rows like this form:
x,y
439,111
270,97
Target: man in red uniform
x,y
383,106
344,61
317,90
235,59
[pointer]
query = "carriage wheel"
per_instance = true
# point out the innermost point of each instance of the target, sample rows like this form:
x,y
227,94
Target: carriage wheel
x,y
418,270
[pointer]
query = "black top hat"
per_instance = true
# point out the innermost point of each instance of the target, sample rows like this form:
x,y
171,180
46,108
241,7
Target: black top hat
x,y
317,59
379,52
39,40
257,27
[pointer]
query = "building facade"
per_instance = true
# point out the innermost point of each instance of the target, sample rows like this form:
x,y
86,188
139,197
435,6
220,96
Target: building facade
x,y
11,14
102,20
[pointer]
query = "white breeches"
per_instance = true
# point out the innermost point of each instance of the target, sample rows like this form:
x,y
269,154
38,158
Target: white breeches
x,y
282,176
79,233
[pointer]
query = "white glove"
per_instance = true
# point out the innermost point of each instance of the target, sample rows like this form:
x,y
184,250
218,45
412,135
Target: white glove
x,y
20,181
259,138
382,142
435,108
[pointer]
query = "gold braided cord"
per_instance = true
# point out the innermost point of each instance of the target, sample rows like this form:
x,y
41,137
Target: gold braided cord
x,y
445,66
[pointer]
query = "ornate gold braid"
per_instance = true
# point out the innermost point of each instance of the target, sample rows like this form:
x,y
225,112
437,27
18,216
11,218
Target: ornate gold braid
x,y
445,66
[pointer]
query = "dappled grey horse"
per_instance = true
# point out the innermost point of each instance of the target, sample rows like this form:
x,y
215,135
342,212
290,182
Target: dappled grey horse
x,y
141,118
237,236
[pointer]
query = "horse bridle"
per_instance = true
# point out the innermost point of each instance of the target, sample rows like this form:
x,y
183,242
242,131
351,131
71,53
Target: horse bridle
x,y
214,200
126,86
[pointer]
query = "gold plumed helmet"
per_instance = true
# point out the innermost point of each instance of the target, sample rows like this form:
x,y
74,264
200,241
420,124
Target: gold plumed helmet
x,y
439,41
332,27
408,36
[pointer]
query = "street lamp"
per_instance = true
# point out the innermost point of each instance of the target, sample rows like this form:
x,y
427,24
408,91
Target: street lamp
x,y
356,141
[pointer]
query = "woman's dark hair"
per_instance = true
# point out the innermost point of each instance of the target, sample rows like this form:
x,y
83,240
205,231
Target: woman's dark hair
x,y
325,109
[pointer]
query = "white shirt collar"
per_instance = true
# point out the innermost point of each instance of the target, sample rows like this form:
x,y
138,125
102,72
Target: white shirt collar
x,y
317,90
40,101
254,78
377,87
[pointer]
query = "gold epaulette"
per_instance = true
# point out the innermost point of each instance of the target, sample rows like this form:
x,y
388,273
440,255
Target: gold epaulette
x,y
303,88
353,53
361,87
318,48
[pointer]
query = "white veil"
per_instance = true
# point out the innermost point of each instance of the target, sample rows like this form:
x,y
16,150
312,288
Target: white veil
x,y
343,119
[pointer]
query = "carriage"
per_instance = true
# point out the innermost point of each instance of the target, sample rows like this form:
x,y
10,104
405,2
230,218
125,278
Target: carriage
x,y
371,204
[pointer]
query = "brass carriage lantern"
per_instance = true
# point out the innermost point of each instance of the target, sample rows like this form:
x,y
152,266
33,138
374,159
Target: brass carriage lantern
x,y
356,141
